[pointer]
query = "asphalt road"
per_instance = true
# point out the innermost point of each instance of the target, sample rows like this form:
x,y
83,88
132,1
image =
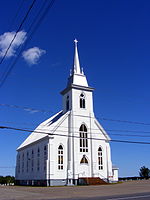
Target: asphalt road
x,y
141,196
124,191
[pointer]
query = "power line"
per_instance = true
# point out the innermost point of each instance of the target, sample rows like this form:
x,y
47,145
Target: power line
x,y
25,108
100,118
17,13
115,134
6,73
73,136
129,135
117,120
111,130
98,133
24,19
127,131
125,121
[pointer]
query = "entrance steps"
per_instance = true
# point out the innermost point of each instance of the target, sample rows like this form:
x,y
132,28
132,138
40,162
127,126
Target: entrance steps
x,y
91,181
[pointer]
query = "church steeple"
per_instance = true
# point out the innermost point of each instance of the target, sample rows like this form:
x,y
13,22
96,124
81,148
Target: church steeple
x,y
77,96
77,76
76,65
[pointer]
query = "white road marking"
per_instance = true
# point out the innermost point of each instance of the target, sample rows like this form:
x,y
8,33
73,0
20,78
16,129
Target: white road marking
x,y
134,197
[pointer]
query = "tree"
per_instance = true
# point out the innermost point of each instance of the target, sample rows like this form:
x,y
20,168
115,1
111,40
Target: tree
x,y
7,180
144,172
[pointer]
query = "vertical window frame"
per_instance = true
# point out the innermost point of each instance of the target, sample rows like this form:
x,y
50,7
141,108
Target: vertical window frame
x,y
100,158
82,101
32,160
45,156
83,138
60,157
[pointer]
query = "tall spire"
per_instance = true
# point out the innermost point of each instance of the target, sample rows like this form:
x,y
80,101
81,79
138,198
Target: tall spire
x,y
77,76
76,64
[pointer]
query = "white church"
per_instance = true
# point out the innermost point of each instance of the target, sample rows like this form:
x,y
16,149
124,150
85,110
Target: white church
x,y
71,147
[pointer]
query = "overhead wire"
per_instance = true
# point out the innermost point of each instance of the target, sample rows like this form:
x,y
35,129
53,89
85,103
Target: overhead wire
x,y
100,118
93,129
124,121
49,6
25,108
111,130
16,15
74,136
20,26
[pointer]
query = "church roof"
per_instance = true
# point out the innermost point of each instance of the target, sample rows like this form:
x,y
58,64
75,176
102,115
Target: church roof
x,y
45,128
102,130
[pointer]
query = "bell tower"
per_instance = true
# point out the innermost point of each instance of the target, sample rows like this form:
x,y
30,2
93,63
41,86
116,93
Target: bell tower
x,y
77,96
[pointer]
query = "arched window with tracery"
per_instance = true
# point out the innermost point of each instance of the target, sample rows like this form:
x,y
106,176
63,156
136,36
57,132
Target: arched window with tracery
x,y
84,160
60,157
83,138
100,158
82,100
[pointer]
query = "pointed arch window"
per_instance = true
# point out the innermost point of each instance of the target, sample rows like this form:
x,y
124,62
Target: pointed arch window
x,y
60,158
32,155
32,160
84,160
83,138
18,163
100,158
67,103
82,100
22,162
38,152
27,161
45,157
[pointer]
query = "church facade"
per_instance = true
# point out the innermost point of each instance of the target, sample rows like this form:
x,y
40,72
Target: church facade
x,y
69,147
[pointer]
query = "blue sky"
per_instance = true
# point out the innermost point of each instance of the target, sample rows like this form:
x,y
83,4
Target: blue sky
x,y
114,49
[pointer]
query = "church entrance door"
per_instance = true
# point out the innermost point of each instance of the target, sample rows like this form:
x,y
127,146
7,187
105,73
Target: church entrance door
x,y
84,170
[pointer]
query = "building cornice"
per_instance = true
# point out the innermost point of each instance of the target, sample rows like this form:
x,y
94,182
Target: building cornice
x,y
73,86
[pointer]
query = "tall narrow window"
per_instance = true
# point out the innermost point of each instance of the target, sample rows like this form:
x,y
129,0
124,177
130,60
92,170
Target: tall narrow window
x,y
38,164
100,158
38,152
60,157
82,101
32,165
83,138
67,103
32,162
18,163
45,156
22,162
27,161
38,160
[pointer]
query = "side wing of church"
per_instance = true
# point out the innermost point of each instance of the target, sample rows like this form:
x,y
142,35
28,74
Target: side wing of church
x,y
71,147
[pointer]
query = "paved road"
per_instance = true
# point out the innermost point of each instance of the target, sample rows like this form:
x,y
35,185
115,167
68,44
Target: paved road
x,y
124,191
141,196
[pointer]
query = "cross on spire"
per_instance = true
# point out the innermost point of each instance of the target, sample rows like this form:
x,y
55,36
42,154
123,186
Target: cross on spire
x,y
76,64
75,41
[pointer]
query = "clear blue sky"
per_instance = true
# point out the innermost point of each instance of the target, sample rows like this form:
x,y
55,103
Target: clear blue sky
x,y
114,49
